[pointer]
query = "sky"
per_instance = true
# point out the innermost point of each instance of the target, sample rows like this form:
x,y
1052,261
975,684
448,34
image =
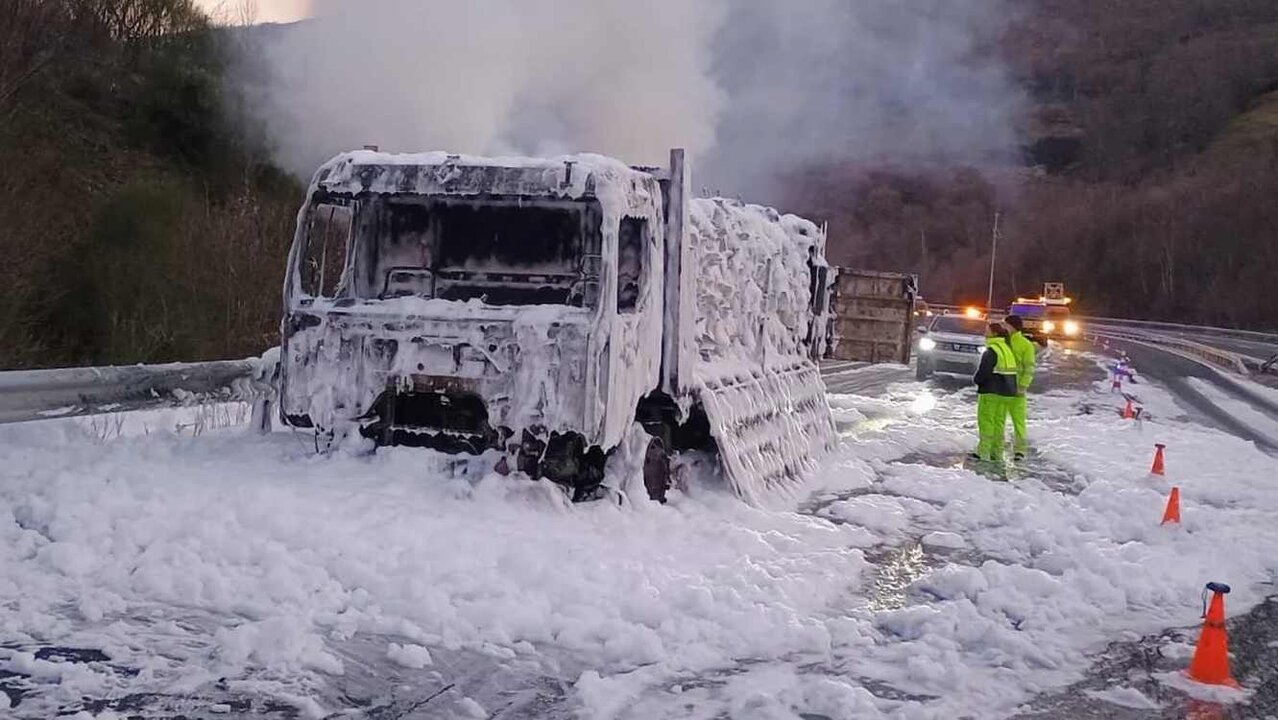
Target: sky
x,y
260,10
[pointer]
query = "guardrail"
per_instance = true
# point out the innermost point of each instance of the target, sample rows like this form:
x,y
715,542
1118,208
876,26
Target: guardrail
x,y
1267,337
42,394
1179,335
1224,359
1188,329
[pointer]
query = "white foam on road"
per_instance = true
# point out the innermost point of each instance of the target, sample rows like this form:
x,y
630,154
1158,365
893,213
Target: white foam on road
x,y
1257,420
701,608
190,420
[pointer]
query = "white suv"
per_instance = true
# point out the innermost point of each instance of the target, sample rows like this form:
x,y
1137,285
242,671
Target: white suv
x,y
950,344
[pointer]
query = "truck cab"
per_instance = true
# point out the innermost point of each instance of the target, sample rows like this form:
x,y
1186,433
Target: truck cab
x,y
542,309
452,302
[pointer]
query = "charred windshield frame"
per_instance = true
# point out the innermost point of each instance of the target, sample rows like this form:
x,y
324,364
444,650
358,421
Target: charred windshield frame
x,y
323,261
502,250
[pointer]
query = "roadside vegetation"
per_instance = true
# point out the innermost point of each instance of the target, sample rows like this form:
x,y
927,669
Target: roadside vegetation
x,y
1150,146
137,221
141,219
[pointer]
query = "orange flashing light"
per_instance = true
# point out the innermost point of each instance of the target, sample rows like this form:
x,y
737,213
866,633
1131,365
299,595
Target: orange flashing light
x,y
972,312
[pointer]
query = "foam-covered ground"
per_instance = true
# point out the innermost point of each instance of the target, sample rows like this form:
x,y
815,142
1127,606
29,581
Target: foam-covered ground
x,y
220,565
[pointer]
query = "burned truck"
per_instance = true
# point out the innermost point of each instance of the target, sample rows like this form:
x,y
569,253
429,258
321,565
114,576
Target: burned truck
x,y
553,311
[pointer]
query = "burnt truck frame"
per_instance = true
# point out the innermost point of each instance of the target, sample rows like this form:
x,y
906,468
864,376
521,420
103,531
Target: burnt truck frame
x,y
539,308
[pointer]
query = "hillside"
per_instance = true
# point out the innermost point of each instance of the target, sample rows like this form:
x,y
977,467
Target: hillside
x,y
1149,136
142,220
138,224
1255,127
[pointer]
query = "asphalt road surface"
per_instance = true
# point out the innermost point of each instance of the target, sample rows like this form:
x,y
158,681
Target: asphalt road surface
x,y
1254,348
1262,349
1253,636
1175,372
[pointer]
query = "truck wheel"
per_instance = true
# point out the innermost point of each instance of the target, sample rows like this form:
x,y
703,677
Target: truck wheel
x,y
324,439
656,470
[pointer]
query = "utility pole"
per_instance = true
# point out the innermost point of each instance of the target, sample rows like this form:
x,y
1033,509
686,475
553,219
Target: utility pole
x,y
922,250
989,298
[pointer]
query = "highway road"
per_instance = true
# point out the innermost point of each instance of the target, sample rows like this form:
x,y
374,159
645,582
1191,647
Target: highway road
x,y
1135,663
1177,374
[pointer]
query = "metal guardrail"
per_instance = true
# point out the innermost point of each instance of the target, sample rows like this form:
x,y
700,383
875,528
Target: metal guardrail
x,y
42,394
1224,359
1178,336
1266,337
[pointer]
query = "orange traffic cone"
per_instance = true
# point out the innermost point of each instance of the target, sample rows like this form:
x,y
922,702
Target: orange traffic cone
x,y
1128,411
1157,469
1172,513
1211,656
1117,385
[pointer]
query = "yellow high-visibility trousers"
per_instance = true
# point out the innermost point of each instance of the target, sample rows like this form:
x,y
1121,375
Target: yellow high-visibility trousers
x,y
991,425
1016,407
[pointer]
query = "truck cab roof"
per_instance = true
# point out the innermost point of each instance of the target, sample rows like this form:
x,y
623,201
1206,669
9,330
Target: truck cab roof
x,y
441,173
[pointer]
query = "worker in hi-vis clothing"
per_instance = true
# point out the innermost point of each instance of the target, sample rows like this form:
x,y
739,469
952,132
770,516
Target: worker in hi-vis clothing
x,y
995,391
1023,349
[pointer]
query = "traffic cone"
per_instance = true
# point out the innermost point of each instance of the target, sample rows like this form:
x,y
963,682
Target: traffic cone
x,y
1211,655
1172,513
1117,385
1128,411
1157,468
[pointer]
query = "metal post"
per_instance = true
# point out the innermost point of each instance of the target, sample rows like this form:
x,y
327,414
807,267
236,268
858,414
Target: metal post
x,y
922,250
678,348
989,298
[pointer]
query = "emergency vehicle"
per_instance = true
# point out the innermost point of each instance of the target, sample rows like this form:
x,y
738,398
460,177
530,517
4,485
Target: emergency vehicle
x,y
1048,315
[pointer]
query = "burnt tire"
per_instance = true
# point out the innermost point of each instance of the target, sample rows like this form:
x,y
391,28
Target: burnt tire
x,y
656,470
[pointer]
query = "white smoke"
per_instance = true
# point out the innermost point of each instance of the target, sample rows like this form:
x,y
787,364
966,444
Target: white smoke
x,y
630,79
751,87
860,80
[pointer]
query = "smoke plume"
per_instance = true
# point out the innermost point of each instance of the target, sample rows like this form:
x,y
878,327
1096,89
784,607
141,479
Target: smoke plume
x,y
495,77
861,81
751,87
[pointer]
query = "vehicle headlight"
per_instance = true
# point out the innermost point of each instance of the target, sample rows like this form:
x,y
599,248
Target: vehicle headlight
x,y
927,344
1049,326
1071,327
